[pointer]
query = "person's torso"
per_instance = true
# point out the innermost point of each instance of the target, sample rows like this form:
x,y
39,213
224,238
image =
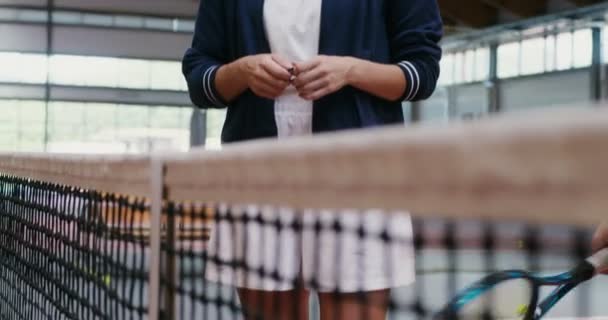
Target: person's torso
x,y
354,28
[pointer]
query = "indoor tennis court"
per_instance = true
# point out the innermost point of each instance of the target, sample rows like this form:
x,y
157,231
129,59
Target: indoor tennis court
x,y
303,159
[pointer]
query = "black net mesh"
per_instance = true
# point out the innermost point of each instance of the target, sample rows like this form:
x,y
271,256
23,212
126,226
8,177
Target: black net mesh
x,y
71,253
68,253
336,264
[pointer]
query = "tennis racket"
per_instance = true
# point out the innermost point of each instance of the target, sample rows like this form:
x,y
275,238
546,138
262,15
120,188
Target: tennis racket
x,y
515,294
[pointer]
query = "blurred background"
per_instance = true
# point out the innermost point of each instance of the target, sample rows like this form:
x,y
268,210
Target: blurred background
x,y
101,76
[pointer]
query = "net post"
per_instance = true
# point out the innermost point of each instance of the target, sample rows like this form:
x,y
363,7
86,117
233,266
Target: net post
x,y
169,268
157,170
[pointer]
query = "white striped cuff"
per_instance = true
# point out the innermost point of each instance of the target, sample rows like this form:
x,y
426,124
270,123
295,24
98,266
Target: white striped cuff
x,y
413,81
208,86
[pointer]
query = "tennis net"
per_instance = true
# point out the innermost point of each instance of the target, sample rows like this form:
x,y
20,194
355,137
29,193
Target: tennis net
x,y
241,233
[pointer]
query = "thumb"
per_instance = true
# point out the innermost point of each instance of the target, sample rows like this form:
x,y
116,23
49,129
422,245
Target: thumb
x,y
307,65
600,239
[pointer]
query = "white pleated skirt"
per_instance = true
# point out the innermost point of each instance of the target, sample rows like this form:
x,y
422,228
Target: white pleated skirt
x,y
273,249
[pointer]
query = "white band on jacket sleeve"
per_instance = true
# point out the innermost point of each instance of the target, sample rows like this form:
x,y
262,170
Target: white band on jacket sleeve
x,y
414,85
207,85
410,86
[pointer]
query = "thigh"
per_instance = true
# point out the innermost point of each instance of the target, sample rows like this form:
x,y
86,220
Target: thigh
x,y
372,305
274,305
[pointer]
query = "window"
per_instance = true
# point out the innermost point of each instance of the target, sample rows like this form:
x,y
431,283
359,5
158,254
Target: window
x,y
564,51
509,59
550,53
134,74
63,17
166,75
435,113
98,121
215,123
92,71
482,64
92,127
158,23
22,125
465,66
66,122
583,48
458,67
9,125
105,72
129,22
101,20
605,44
167,118
116,73
84,71
446,75
532,53
8,14
31,15
98,127
469,66
185,25
69,17
132,117
22,68
71,70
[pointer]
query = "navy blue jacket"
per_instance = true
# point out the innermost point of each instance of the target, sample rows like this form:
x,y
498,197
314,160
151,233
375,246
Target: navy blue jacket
x,y
403,32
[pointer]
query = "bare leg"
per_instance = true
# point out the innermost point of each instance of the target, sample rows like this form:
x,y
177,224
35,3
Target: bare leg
x,y
371,305
274,305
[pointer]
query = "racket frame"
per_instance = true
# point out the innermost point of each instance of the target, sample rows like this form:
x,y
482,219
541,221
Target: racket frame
x,y
565,283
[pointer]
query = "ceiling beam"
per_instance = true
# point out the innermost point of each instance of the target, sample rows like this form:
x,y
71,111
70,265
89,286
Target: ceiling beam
x,y
583,3
471,13
520,8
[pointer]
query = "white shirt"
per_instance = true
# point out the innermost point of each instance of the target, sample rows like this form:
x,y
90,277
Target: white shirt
x,y
292,29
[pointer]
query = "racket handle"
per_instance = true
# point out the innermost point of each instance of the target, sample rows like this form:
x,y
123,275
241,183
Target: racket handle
x,y
600,260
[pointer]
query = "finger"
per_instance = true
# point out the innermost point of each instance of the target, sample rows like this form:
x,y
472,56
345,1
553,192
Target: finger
x,y
264,93
295,71
276,70
305,78
282,61
303,67
318,94
269,80
267,91
313,86
600,239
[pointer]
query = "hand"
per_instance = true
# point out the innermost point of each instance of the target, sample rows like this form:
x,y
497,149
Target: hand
x,y
321,76
267,75
600,240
